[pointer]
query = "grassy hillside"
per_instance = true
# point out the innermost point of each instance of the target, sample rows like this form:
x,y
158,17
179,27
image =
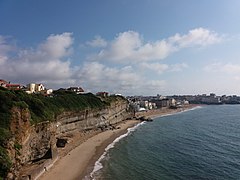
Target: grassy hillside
x,y
41,109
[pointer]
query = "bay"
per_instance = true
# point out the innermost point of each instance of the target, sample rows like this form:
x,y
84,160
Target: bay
x,y
199,144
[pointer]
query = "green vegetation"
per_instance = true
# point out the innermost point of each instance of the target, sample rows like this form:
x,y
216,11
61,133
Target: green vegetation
x,y
45,108
4,162
112,98
42,109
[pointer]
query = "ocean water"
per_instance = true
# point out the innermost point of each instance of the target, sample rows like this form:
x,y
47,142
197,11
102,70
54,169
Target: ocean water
x,y
199,144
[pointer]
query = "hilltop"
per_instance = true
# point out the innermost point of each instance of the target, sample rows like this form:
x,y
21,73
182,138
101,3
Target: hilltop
x,y
22,114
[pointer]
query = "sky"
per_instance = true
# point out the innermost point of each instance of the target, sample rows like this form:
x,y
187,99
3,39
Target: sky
x,y
131,47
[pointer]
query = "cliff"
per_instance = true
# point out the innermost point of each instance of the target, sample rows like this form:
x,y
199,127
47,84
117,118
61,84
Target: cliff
x,y
32,147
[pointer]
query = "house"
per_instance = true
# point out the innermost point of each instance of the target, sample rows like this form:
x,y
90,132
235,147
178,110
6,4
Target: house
x,y
150,106
161,102
46,92
38,89
172,102
9,86
13,86
211,100
3,83
185,102
77,90
102,94
35,88
144,104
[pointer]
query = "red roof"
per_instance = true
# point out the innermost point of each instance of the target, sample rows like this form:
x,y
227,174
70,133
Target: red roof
x,y
3,81
13,85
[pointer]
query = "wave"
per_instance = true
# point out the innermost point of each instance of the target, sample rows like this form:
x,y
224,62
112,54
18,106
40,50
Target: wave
x,y
98,165
191,109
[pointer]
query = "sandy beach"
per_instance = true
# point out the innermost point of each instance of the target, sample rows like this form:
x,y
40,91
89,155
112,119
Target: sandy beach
x,y
80,161
164,111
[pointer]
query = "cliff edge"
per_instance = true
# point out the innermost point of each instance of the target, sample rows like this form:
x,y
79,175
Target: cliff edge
x,y
35,127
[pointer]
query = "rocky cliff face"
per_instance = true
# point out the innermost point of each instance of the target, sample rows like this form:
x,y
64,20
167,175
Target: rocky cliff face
x,y
37,143
90,119
29,143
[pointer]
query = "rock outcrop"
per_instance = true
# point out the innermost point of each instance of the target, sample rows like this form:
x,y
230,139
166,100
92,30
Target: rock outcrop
x,y
34,147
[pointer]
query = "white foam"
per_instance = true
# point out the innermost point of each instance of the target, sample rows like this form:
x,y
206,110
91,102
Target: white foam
x,y
197,107
98,165
191,109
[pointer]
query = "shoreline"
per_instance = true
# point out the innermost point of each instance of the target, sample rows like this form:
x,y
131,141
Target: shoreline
x,y
102,148
80,161
165,111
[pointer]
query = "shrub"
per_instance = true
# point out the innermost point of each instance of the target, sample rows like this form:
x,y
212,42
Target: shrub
x,y
41,109
4,162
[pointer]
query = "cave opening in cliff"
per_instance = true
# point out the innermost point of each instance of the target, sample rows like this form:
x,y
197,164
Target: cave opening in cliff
x,y
47,155
61,142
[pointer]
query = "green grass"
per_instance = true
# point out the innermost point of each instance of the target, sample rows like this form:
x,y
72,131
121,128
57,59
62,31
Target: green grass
x,y
4,162
41,109
45,108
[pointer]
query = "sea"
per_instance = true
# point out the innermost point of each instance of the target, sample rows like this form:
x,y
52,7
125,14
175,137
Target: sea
x,y
202,143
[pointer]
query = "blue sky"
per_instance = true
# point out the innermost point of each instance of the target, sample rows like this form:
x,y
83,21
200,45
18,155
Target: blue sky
x,y
132,47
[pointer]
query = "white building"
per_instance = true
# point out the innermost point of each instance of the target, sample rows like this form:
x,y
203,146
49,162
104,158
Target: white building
x,y
172,102
38,88
144,104
35,88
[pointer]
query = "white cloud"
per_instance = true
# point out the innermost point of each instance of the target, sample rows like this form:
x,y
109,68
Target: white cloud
x,y
98,41
57,46
161,68
237,78
224,68
156,67
42,64
155,86
129,46
49,62
98,76
178,67
4,49
116,80
199,36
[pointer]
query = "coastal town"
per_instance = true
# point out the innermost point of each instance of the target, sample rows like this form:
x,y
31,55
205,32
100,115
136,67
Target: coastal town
x,y
142,103
119,90
139,103
69,129
39,88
